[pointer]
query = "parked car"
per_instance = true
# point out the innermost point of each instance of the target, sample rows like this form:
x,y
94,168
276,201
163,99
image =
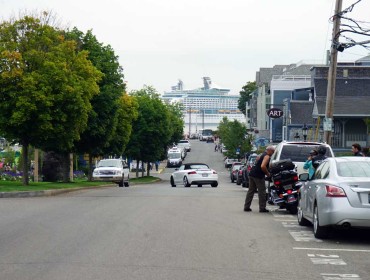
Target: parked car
x,y
184,144
337,195
112,170
194,174
229,161
247,168
174,157
297,152
234,170
239,175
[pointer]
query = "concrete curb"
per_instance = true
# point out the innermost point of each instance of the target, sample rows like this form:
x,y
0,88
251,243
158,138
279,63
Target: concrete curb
x,y
46,192
59,191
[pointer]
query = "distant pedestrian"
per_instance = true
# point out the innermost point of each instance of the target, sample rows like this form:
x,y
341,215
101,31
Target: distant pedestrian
x,y
156,165
356,150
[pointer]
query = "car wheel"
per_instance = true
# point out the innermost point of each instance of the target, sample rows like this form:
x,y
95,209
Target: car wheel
x,y
238,182
214,185
172,182
126,183
302,221
199,186
120,183
319,231
232,179
186,182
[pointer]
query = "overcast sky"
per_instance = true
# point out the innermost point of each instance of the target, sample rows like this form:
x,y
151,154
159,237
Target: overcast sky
x,y
161,41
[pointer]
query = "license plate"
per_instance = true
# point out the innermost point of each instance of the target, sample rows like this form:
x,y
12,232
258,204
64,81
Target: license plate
x,y
292,198
205,175
287,187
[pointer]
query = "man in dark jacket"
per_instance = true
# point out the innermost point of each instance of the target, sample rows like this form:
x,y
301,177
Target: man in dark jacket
x,y
257,181
356,150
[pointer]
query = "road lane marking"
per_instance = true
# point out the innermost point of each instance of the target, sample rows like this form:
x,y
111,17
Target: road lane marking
x,y
332,249
331,276
304,235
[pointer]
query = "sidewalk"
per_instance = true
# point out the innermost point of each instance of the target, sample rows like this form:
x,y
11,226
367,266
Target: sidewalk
x,y
153,172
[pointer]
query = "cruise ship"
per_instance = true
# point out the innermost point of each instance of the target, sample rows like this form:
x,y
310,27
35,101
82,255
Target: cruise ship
x,y
206,106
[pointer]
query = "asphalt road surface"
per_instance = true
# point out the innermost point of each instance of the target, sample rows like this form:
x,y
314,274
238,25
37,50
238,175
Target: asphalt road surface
x,y
158,232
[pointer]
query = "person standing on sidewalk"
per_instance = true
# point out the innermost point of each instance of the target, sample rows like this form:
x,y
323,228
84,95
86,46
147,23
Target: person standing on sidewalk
x,y
257,181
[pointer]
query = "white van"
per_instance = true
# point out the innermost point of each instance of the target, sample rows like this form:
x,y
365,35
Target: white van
x,y
174,157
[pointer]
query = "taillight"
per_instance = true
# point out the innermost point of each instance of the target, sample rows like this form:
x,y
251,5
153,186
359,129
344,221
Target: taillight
x,y
289,191
277,183
249,168
333,191
295,178
192,172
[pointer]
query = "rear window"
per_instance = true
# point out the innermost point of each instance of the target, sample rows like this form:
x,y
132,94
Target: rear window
x,y
184,141
199,166
298,153
354,169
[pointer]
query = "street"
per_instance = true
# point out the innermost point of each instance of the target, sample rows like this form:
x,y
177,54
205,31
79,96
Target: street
x,y
154,231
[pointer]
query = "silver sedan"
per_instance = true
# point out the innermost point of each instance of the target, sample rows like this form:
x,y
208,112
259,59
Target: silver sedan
x,y
337,195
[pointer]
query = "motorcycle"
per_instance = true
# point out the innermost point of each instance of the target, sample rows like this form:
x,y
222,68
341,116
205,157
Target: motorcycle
x,y
284,186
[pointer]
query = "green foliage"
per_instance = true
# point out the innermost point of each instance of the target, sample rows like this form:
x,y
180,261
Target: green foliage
x,y
232,135
109,122
245,95
46,85
151,130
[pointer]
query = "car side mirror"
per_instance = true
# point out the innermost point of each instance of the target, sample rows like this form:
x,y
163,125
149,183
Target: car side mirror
x,y
304,177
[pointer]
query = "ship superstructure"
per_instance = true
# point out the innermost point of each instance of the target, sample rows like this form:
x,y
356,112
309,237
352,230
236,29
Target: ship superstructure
x,y
205,107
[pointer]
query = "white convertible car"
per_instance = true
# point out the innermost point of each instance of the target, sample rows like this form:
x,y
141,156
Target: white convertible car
x,y
194,174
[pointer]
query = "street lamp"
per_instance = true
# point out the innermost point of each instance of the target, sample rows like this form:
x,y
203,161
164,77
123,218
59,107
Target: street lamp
x,y
304,132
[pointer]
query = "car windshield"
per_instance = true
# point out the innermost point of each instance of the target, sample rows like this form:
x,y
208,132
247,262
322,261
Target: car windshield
x,y
354,169
174,155
298,152
199,166
109,163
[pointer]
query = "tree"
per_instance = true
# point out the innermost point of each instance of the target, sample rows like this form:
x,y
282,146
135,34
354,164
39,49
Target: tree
x,y
151,131
233,135
245,95
109,122
45,87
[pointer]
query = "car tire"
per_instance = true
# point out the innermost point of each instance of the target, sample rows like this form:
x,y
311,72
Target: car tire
x,y
199,186
120,183
238,182
186,182
126,183
232,180
318,231
214,185
302,221
172,182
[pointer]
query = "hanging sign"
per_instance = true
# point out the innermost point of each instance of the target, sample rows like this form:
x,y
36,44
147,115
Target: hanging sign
x,y
275,113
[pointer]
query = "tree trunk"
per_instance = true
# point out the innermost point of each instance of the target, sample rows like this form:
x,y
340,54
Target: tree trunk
x,y
71,167
90,169
148,169
36,166
25,177
65,167
137,168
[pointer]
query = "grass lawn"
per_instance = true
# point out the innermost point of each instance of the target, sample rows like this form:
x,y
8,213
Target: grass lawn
x,y
16,186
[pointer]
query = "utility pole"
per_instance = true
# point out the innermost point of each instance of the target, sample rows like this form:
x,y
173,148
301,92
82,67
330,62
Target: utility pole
x,y
332,75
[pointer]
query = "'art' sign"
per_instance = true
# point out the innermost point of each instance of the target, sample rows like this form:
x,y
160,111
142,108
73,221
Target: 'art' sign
x,y
274,113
